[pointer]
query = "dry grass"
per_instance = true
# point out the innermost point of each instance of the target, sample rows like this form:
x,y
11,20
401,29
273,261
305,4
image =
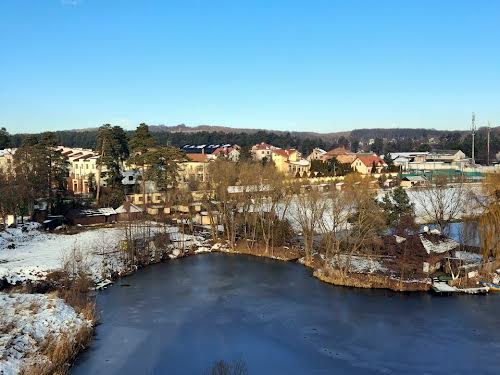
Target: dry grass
x,y
281,253
60,352
4,329
369,281
34,307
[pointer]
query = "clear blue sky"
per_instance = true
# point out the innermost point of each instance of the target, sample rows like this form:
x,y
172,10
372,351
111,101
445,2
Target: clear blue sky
x,y
291,65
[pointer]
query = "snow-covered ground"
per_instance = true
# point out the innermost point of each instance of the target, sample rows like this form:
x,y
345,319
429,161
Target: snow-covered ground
x,y
29,254
359,264
26,321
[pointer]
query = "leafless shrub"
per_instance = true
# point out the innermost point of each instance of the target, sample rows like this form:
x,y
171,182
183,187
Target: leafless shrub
x,y
221,367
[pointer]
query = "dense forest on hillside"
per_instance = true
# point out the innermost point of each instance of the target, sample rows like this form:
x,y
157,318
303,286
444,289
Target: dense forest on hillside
x,y
366,134
87,139
383,140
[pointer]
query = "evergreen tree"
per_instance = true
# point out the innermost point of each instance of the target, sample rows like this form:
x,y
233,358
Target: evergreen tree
x,y
378,146
40,171
163,166
141,140
245,154
399,210
4,139
113,150
141,143
390,163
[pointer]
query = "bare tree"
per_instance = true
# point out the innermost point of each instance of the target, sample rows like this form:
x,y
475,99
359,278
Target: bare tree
x,y
441,203
355,223
335,223
223,174
307,210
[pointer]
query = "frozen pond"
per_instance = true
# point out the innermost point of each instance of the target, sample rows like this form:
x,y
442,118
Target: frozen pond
x,y
180,317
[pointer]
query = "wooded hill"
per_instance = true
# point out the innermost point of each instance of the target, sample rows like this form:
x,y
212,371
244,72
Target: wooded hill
x,y
386,140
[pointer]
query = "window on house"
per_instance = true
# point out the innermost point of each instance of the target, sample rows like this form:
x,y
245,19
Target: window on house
x,y
130,178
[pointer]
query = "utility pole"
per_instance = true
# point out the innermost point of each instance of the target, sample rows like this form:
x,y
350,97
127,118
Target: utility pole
x,y
488,145
473,131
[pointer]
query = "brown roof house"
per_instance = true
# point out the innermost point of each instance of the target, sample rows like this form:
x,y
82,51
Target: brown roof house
x,y
129,212
91,216
421,253
364,164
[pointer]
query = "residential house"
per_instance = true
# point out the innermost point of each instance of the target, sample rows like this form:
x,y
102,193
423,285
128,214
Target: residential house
x,y
441,159
437,247
195,168
214,151
83,168
449,158
131,181
316,154
336,152
411,181
7,159
419,253
200,149
262,151
229,152
290,162
346,158
153,198
403,159
198,157
364,164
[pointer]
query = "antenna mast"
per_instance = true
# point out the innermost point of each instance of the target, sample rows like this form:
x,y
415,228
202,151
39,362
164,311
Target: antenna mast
x,y
488,145
473,131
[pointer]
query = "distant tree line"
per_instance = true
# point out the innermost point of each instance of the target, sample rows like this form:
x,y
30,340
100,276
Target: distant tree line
x,y
87,139
384,140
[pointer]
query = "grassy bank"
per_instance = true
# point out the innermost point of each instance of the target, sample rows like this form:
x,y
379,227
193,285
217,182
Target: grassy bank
x,y
370,281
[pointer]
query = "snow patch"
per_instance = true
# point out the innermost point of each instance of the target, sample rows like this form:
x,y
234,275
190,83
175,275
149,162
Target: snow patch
x,y
27,320
444,245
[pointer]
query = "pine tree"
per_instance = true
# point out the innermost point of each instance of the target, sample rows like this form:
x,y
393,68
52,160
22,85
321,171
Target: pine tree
x,y
39,170
163,166
113,150
398,209
140,144
4,138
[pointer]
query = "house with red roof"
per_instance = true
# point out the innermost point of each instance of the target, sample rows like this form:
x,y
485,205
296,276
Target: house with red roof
x,y
365,163
262,151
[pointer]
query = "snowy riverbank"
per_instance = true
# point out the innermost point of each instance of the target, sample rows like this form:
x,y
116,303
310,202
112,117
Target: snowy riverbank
x,y
28,254
29,324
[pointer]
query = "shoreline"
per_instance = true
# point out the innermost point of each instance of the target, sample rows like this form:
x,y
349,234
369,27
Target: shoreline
x,y
283,254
